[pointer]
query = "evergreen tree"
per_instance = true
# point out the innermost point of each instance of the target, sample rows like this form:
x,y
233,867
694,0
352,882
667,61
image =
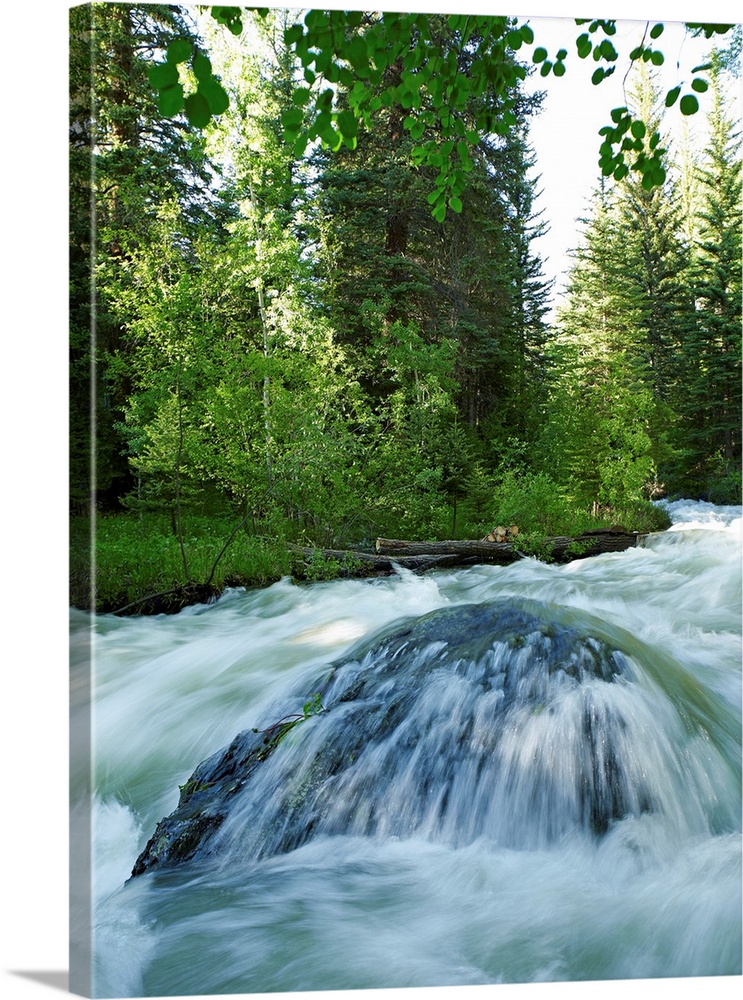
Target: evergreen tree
x,y
472,279
711,405
596,440
656,255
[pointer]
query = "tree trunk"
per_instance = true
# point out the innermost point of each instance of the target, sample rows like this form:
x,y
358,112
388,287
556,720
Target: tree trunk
x,y
557,549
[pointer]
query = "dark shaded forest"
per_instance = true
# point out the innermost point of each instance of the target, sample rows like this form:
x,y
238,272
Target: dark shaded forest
x,y
272,346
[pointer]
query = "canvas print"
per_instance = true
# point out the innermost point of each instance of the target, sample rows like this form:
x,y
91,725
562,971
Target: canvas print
x,y
405,493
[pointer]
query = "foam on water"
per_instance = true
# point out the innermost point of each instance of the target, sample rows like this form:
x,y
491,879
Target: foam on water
x,y
659,895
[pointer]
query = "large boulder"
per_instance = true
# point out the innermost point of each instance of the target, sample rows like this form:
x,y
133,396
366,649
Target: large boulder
x,y
502,720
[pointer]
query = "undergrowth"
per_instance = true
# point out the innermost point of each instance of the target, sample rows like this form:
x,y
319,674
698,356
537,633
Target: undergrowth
x,y
136,555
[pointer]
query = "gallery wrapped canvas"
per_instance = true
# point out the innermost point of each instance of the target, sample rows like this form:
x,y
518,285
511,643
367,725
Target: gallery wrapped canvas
x,y
404,500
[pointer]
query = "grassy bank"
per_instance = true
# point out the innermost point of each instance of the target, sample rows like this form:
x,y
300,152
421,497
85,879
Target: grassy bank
x,y
136,555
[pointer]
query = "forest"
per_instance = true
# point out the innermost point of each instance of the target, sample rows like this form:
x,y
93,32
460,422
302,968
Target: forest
x,y
285,340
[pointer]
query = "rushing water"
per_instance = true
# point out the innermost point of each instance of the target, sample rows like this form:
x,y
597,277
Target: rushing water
x,y
509,886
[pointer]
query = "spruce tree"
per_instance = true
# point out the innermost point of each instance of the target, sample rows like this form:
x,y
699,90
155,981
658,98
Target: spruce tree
x,y
595,440
711,405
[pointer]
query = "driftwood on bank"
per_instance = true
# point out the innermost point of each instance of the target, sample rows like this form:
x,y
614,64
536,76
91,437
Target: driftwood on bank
x,y
421,556
560,548
395,553
354,563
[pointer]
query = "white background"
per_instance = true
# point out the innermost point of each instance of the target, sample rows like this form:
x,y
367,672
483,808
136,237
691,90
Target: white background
x,y
33,787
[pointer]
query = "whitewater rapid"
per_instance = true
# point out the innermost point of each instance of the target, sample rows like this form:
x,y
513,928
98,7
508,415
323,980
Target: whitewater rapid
x,y
653,898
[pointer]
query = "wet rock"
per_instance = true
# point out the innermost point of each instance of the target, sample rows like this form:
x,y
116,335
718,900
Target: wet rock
x,y
473,720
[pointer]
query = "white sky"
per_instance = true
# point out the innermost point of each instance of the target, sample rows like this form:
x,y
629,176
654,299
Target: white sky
x,y
565,135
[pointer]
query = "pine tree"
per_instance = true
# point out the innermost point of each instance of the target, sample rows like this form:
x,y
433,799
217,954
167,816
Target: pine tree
x,y
711,407
656,256
596,439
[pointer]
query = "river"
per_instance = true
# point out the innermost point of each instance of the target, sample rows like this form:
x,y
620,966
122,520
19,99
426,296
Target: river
x,y
657,894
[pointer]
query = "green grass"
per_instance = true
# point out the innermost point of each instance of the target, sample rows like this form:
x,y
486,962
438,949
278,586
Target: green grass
x,y
137,555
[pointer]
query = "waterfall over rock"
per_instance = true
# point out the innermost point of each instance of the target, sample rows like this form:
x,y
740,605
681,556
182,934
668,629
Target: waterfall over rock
x,y
508,720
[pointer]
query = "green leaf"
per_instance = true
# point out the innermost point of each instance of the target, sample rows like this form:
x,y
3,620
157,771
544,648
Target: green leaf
x,y
202,67
179,51
546,67
455,204
215,94
300,96
316,20
170,100
598,76
381,59
539,55
657,58
656,31
230,16
672,96
293,34
584,45
638,130
527,34
417,129
699,85
291,117
197,110
607,50
332,139
559,69
163,75
439,212
356,53
347,125
689,105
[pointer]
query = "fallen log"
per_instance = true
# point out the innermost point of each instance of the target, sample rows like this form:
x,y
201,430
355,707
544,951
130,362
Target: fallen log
x,y
560,548
354,563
